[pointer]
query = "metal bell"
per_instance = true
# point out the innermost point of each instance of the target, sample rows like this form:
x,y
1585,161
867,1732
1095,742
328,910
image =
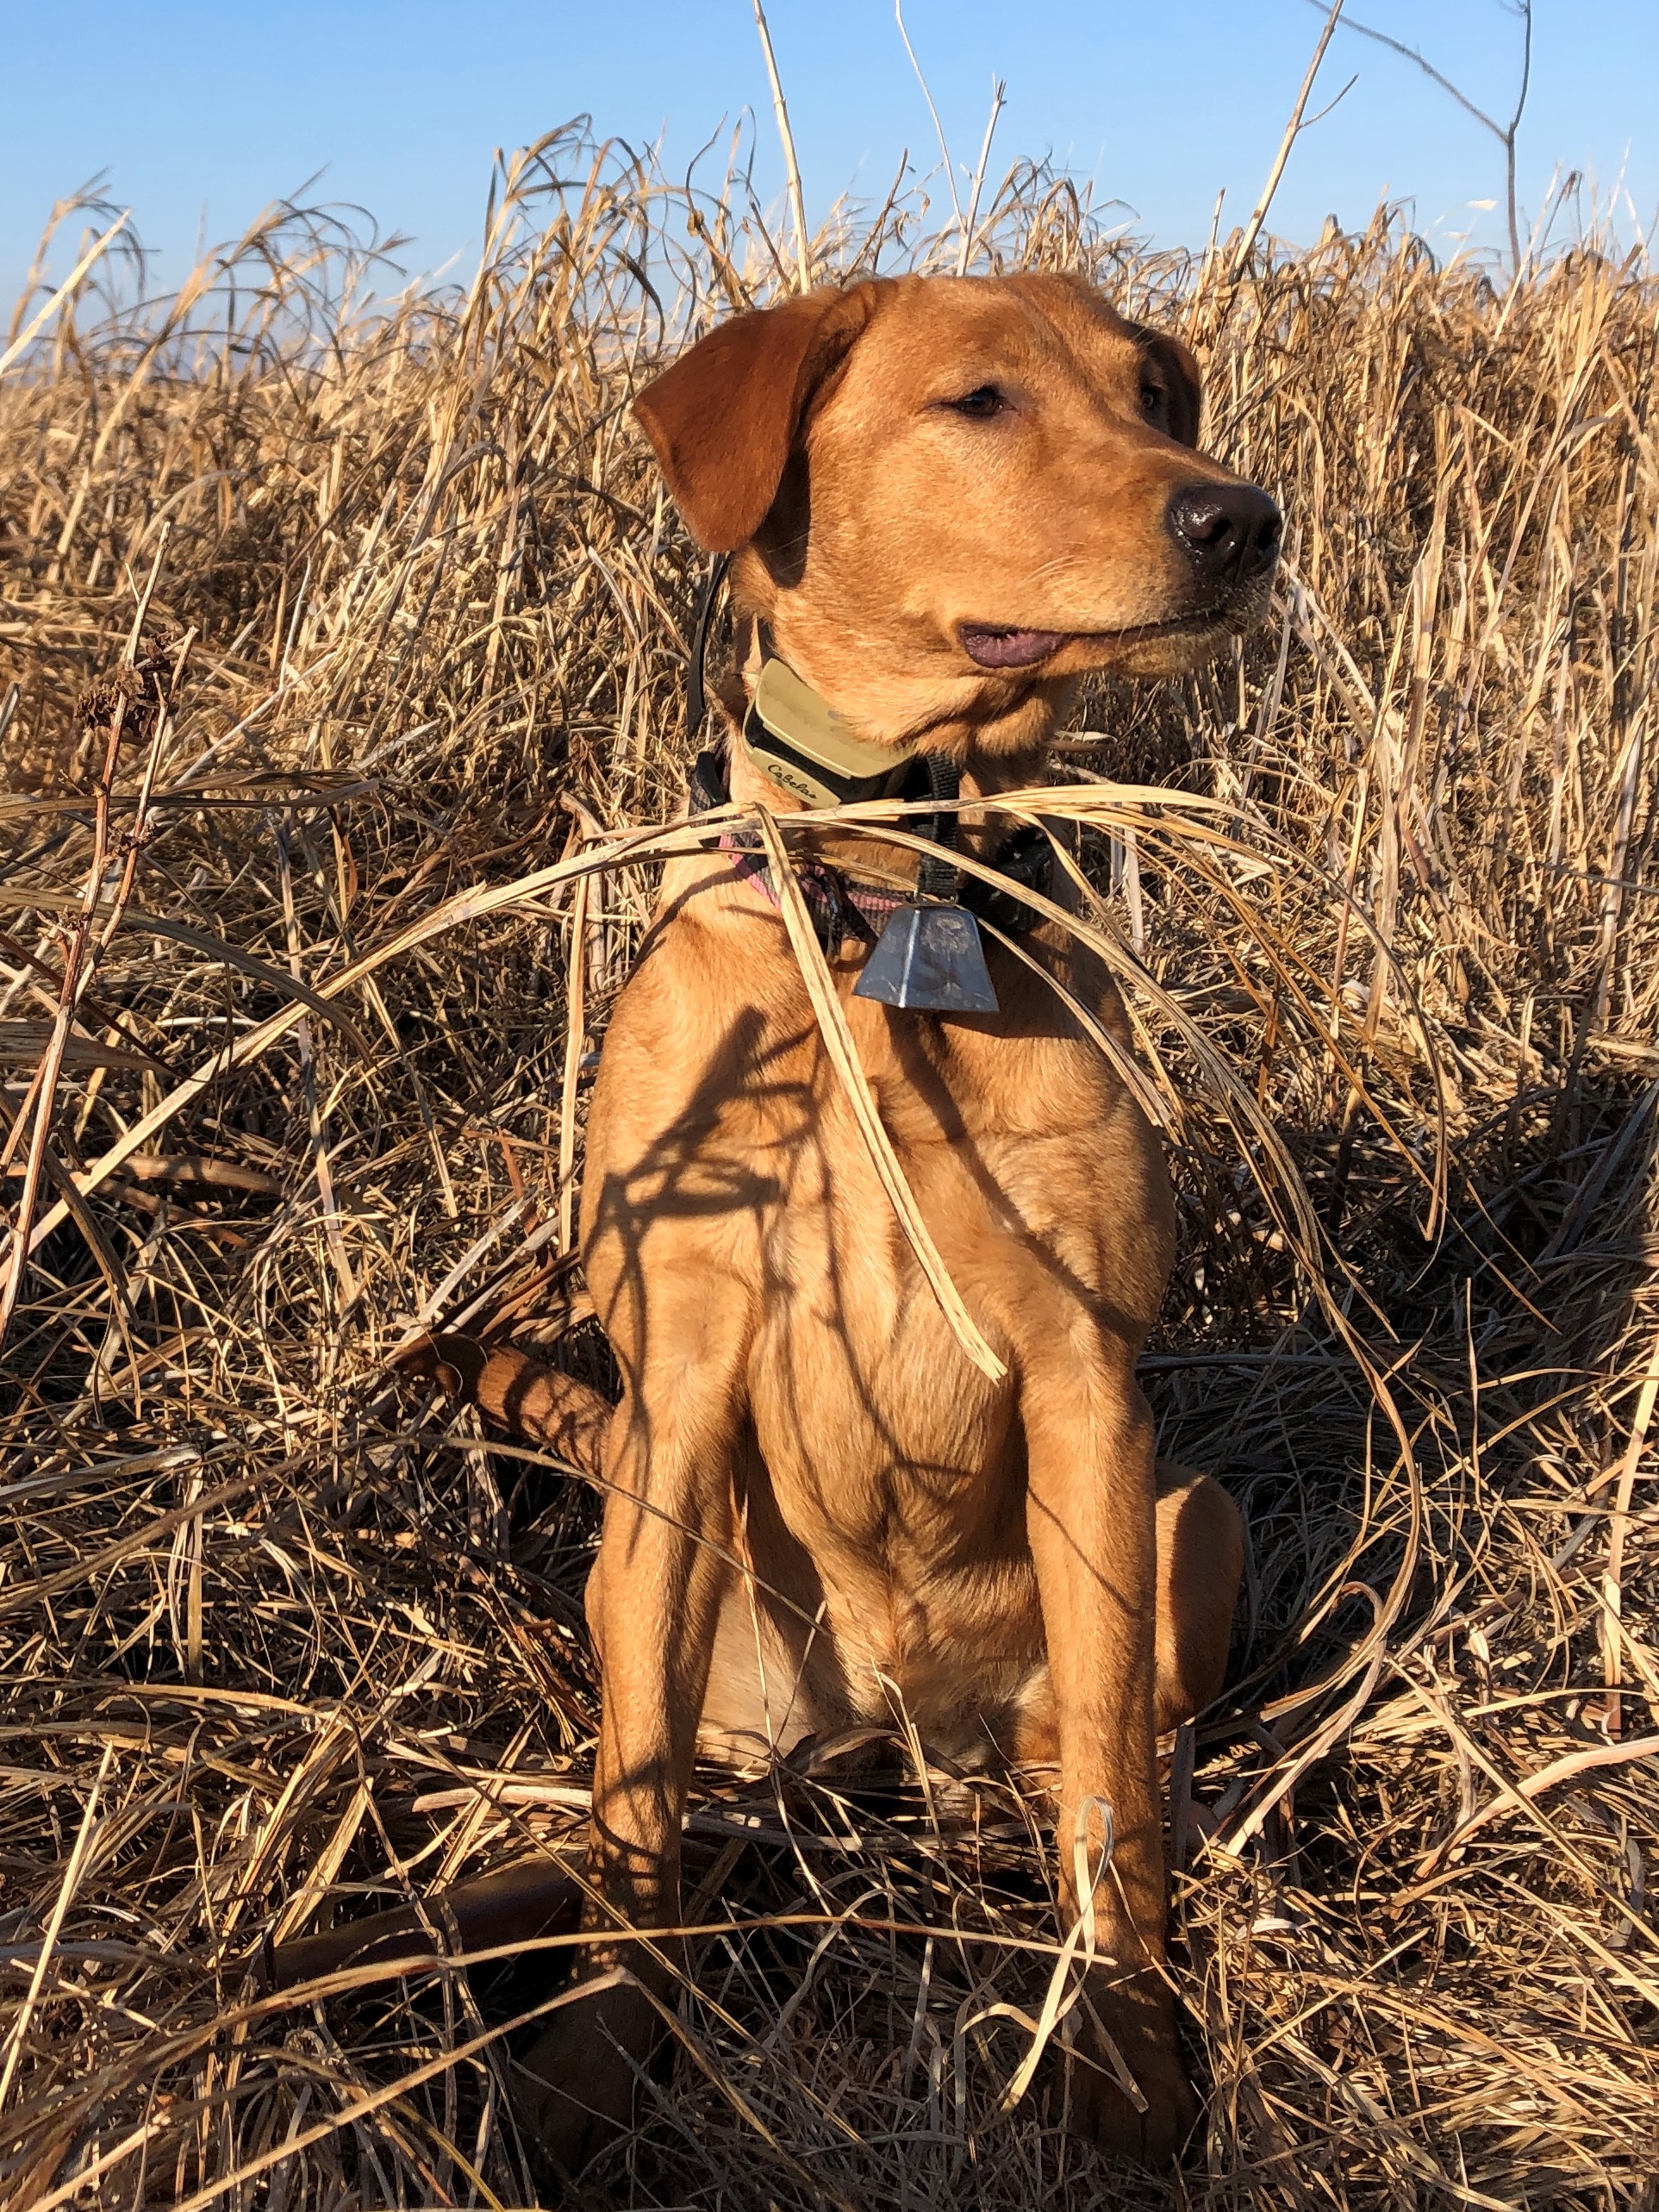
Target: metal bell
x,y
929,959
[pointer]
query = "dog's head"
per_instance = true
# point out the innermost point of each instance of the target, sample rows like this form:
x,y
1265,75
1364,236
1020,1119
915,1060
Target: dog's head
x,y
952,490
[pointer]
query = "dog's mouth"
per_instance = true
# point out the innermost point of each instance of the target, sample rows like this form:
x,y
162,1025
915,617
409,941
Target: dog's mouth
x,y
995,644
993,647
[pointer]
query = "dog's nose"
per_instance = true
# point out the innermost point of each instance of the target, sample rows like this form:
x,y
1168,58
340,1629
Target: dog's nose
x,y
1230,532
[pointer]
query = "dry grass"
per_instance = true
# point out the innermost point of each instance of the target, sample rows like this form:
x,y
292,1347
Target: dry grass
x,y
413,620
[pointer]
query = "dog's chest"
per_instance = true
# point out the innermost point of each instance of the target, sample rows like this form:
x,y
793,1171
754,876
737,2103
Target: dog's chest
x,y
1039,1180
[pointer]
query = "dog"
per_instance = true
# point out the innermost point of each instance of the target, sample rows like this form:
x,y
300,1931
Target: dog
x,y
945,500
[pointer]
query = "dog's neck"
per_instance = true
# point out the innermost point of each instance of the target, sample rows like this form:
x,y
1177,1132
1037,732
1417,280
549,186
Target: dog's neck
x,y
999,743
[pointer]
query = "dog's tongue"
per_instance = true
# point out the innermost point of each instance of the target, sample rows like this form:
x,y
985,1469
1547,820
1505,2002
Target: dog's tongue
x,y
999,648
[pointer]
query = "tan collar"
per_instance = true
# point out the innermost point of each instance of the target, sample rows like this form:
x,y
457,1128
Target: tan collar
x,y
793,735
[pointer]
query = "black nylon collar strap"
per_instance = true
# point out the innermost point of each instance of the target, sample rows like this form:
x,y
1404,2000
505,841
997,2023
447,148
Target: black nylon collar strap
x,y
696,700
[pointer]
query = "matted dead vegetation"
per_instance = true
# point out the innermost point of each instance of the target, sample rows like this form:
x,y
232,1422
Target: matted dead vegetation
x,y
375,617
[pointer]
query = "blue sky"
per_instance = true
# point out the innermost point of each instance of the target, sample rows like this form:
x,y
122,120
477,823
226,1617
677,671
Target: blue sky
x,y
201,114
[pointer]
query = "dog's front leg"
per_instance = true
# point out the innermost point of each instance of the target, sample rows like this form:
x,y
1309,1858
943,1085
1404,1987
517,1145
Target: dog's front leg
x,y
1091,1517
654,1602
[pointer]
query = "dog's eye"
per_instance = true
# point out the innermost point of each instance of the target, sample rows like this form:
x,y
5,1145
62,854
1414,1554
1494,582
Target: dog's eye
x,y
1152,399
980,404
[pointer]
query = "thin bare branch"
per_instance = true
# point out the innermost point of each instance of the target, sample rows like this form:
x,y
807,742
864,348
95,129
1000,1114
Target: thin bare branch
x,y
1505,133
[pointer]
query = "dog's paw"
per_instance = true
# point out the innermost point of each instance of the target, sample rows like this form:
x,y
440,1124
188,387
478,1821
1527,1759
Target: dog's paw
x,y
455,1362
1101,2109
575,2089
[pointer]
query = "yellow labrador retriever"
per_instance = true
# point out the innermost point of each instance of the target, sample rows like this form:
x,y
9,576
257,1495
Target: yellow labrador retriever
x,y
946,499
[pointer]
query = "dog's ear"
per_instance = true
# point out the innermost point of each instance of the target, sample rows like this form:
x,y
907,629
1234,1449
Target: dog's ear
x,y
1180,377
724,420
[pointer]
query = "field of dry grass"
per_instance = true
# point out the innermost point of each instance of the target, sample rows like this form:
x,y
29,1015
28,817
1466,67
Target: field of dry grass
x,y
341,654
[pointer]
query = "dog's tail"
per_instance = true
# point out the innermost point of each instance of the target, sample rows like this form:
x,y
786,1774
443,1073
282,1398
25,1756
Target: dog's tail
x,y
527,1399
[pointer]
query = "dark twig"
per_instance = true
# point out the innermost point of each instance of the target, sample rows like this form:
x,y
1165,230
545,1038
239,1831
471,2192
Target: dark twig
x,y
1504,133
